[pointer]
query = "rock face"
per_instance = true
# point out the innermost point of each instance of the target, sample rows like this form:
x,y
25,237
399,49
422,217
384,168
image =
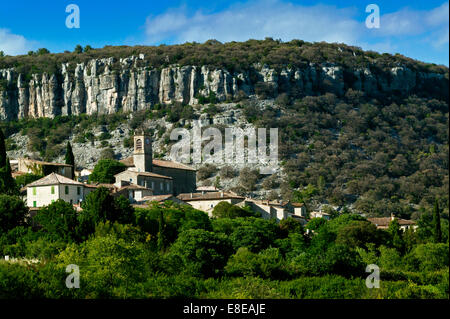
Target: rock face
x,y
105,86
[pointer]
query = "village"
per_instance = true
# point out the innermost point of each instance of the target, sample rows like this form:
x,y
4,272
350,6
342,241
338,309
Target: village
x,y
147,180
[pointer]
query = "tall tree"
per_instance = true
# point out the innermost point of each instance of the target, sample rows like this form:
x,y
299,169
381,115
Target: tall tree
x,y
70,158
7,183
437,234
2,149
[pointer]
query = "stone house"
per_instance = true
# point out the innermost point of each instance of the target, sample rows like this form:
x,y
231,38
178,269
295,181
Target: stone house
x,y
134,193
383,222
207,201
320,215
52,187
26,165
183,177
277,209
158,184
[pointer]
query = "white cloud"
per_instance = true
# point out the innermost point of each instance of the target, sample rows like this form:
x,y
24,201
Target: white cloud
x,y
13,44
286,21
431,24
256,20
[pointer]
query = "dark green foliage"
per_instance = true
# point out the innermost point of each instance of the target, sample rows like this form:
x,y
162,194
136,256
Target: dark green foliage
x,y
101,206
105,170
227,210
26,179
12,212
437,223
70,158
202,252
59,219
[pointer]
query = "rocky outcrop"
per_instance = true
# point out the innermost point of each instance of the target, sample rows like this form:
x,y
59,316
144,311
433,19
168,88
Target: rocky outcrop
x,y
107,86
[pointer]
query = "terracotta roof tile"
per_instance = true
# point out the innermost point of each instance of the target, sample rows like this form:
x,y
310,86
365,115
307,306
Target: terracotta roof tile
x,y
53,179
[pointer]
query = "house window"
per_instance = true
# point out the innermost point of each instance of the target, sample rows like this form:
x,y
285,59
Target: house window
x,y
78,190
52,190
161,186
66,189
34,203
71,202
153,185
168,186
34,190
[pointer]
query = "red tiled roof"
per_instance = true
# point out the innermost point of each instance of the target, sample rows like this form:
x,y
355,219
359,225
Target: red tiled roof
x,y
385,221
129,162
53,179
149,174
207,196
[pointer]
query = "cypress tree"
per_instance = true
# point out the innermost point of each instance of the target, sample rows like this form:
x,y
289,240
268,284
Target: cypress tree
x,y
70,158
160,242
2,150
437,222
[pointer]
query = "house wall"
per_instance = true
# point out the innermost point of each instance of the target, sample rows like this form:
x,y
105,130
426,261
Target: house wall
x,y
72,196
184,181
160,186
43,196
208,205
146,181
27,166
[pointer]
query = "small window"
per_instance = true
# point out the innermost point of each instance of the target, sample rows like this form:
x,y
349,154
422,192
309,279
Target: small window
x,y
138,144
168,186
71,202
153,185
161,186
34,203
66,189
78,190
34,190
52,189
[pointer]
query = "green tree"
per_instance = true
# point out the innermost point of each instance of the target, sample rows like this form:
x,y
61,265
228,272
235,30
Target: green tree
x,y
105,170
101,206
59,220
227,210
396,235
78,49
7,182
70,158
2,149
202,252
437,234
12,212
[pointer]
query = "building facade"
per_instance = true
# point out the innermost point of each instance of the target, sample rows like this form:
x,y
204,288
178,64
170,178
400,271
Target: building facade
x,y
52,187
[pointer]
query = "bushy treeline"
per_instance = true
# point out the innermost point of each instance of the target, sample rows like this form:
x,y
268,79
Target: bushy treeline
x,y
380,156
167,250
234,56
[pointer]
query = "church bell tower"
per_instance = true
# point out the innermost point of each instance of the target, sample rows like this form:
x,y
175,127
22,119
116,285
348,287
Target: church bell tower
x,y
142,155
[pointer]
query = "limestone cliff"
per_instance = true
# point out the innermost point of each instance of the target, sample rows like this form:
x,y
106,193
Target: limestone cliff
x,y
100,86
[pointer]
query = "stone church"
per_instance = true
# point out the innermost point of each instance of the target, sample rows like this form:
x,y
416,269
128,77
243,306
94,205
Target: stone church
x,y
163,177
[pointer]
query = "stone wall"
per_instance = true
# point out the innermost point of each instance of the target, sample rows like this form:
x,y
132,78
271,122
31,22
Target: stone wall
x,y
105,86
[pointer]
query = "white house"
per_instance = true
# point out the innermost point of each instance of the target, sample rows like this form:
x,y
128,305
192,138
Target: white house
x,y
53,187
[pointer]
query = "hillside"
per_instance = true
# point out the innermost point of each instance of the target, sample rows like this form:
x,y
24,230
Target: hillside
x,y
360,130
133,78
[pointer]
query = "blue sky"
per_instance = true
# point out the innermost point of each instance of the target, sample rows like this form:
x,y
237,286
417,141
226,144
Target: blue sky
x,y
418,29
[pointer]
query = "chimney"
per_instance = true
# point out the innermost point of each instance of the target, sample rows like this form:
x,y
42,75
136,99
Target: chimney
x,y
221,194
191,195
392,216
